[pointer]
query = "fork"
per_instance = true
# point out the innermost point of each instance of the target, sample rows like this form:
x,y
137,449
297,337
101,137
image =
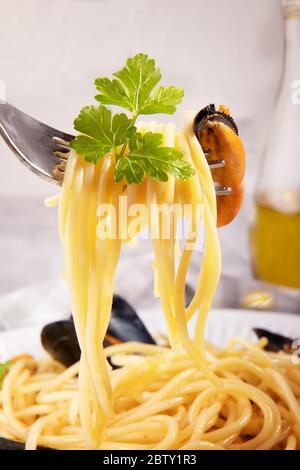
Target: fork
x,y
43,149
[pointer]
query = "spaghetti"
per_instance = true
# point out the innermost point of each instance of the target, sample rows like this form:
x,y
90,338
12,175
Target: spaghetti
x,y
161,400
90,272
193,397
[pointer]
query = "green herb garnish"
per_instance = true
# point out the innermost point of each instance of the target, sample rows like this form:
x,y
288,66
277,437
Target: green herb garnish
x,y
4,367
134,89
146,156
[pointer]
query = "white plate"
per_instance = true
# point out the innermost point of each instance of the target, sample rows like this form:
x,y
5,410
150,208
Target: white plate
x,y
222,325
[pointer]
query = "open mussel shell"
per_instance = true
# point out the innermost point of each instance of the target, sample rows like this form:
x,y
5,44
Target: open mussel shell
x,y
60,341
211,114
276,342
125,324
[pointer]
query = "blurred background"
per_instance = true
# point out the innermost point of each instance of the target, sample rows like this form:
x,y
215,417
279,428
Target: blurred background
x,y
223,51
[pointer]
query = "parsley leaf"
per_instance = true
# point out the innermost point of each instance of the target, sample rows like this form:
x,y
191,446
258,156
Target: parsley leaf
x,y
146,156
163,100
133,89
102,132
133,171
112,92
3,370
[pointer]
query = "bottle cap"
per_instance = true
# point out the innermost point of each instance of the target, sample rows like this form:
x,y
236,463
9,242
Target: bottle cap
x,y
291,8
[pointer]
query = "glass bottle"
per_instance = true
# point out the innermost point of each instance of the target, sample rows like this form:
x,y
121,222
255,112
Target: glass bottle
x,y
275,233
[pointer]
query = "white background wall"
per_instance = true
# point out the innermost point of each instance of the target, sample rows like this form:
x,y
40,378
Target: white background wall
x,y
220,50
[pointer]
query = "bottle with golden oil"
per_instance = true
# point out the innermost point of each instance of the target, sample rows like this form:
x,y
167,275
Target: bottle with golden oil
x,y
275,232
275,242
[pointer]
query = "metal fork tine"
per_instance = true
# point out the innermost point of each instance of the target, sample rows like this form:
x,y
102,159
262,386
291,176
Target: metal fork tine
x,y
61,142
62,155
213,164
61,148
223,191
62,137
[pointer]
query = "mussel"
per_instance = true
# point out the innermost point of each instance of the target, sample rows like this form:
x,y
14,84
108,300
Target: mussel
x,y
277,342
9,444
219,138
211,114
125,324
60,341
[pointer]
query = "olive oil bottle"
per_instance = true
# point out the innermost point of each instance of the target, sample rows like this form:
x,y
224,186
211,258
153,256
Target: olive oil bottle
x,y
275,232
275,242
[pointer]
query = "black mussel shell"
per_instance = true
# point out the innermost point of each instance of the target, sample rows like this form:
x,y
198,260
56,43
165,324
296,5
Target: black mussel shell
x,y
8,444
210,113
276,342
125,325
60,341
